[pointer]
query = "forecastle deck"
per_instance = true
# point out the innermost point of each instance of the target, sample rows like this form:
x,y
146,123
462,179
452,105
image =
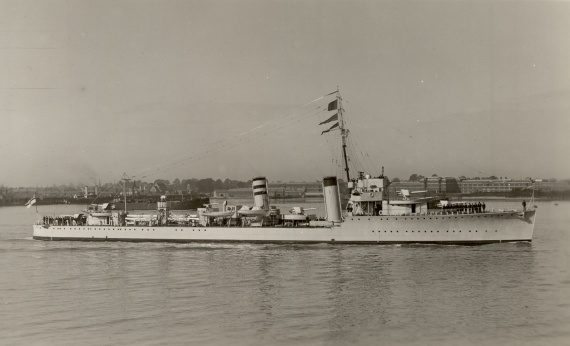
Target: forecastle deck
x,y
480,228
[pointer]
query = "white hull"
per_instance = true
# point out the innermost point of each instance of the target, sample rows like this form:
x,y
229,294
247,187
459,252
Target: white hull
x,y
439,229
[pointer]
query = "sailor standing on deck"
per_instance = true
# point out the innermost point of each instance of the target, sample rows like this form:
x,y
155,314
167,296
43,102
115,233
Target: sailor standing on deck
x,y
524,205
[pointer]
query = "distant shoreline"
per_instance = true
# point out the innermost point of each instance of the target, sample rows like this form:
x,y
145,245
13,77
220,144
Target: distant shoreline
x,y
311,199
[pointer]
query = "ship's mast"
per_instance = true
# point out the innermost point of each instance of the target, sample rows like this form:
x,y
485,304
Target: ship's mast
x,y
125,179
343,133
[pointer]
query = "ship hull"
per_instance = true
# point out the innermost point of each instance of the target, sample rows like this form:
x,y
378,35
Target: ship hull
x,y
469,229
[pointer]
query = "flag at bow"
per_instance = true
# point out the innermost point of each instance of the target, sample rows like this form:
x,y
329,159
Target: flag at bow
x,y
331,128
31,202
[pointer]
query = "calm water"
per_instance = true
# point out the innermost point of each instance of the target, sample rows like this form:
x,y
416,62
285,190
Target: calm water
x,y
70,293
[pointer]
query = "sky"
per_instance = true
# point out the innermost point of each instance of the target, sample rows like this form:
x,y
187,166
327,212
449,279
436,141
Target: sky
x,y
92,90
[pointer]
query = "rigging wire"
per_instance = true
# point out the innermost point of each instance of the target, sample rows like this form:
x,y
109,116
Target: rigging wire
x,y
425,142
211,152
214,147
357,149
245,137
359,158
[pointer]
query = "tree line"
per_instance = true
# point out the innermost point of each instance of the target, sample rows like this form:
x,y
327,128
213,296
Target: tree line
x,y
203,185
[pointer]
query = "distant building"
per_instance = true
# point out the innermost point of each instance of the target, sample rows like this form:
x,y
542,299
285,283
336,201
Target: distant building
x,y
434,185
493,186
159,188
220,193
244,192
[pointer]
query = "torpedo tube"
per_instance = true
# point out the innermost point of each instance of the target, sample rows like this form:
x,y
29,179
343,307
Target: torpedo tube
x,y
260,197
332,199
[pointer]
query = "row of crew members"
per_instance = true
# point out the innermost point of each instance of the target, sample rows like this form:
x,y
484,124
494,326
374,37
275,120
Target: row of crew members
x,y
469,208
62,221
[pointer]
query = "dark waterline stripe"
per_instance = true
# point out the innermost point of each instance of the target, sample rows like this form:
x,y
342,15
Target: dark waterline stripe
x,y
332,241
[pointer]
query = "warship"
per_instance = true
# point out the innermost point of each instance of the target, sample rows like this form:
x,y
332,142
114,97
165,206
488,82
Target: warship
x,y
370,216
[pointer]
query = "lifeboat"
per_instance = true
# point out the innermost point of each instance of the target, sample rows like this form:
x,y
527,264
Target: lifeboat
x,y
101,214
217,213
252,213
295,217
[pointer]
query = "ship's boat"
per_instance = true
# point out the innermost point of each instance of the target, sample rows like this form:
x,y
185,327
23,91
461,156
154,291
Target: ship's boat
x,y
103,214
140,217
254,212
295,217
218,213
